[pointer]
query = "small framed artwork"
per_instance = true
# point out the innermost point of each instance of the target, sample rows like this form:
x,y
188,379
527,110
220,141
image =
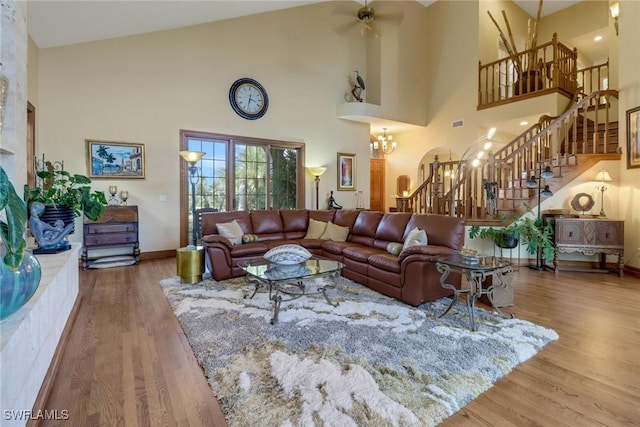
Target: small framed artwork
x,y
106,159
633,138
346,172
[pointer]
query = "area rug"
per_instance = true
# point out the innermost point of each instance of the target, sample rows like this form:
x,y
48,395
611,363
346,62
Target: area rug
x,y
370,361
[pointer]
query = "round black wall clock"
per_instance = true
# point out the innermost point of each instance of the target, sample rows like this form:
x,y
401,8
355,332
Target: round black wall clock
x,y
248,98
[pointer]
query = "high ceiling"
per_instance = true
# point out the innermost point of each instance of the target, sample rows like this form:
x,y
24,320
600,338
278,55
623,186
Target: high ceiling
x,y
57,23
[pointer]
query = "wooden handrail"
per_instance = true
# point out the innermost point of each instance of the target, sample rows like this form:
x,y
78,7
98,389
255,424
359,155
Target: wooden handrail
x,y
498,185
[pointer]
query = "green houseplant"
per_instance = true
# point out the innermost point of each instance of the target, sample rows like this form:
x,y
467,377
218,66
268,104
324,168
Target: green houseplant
x,y
535,234
61,188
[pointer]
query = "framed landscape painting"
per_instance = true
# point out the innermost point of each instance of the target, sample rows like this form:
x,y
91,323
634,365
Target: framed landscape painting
x,y
633,138
106,159
346,172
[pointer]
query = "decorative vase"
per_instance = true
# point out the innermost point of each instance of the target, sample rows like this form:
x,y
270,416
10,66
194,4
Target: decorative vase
x,y
529,81
18,286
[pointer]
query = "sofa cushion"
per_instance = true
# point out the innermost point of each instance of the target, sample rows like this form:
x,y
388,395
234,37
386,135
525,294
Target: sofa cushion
x,y
385,262
208,221
442,229
346,217
294,220
249,238
287,254
364,228
316,229
336,248
248,250
335,233
391,229
416,237
324,216
231,230
360,253
266,222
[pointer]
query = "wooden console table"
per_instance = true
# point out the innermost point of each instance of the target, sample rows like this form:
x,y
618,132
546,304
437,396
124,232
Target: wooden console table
x,y
589,236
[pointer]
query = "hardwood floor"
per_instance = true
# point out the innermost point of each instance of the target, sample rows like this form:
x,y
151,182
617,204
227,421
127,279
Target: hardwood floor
x,y
127,362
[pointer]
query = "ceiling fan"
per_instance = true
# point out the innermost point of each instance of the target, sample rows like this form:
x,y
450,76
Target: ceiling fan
x,y
367,19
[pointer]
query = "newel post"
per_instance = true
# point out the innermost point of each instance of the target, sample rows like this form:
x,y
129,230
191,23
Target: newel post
x,y
556,69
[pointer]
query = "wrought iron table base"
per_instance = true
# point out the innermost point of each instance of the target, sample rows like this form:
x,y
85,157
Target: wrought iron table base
x,y
475,278
293,290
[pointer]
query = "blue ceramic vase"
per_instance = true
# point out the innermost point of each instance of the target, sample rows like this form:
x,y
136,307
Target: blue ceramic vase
x,y
18,286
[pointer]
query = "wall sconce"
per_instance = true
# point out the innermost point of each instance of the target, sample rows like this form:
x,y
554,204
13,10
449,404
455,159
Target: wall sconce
x,y
385,143
615,13
602,177
545,191
317,172
193,157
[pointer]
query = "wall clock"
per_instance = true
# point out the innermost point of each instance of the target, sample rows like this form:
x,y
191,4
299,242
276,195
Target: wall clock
x,y
248,98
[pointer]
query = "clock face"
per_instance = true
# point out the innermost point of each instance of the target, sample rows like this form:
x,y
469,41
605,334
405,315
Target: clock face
x,y
248,98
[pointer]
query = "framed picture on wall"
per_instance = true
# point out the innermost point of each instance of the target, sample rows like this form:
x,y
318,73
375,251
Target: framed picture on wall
x,y
346,172
633,138
107,159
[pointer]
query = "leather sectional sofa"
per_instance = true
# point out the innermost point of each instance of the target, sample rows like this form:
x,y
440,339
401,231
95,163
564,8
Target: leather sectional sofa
x,y
410,276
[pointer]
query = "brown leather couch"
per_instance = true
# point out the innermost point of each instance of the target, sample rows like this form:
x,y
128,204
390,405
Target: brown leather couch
x,y
410,277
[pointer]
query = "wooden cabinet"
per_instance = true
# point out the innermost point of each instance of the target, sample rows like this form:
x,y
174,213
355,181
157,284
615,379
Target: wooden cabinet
x,y
376,180
117,227
589,236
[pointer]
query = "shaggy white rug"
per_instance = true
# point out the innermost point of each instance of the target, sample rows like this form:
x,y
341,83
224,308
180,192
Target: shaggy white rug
x,y
370,361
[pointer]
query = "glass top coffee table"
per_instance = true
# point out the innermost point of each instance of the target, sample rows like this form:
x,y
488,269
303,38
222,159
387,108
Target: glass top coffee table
x,y
476,270
288,280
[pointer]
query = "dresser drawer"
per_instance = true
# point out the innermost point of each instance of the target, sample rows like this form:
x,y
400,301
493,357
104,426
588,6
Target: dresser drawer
x,y
610,234
110,239
570,232
111,228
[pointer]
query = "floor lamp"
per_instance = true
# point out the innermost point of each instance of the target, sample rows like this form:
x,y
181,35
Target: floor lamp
x,y
193,157
317,172
545,191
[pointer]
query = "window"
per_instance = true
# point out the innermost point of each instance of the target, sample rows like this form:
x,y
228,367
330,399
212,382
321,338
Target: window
x,y
240,173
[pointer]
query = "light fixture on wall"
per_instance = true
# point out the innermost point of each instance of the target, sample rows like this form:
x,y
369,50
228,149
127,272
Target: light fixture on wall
x,y
615,13
193,157
545,191
602,177
317,172
385,143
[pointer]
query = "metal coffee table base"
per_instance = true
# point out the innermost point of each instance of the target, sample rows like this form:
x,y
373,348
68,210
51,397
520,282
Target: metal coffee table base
x,y
475,278
291,290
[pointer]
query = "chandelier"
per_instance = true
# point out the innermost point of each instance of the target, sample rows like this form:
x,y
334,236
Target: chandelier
x,y
385,143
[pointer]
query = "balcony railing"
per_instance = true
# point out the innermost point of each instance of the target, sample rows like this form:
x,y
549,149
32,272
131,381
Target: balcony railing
x,y
548,68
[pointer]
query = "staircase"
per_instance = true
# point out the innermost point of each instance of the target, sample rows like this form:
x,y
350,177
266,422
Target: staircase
x,y
569,145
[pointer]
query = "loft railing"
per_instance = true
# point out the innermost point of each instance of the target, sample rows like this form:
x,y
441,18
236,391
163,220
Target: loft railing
x,y
498,184
548,68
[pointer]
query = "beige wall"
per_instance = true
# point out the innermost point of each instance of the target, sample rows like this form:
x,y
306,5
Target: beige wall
x,y
146,88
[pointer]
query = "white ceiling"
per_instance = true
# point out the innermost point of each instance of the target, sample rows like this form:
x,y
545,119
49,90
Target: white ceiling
x,y
54,23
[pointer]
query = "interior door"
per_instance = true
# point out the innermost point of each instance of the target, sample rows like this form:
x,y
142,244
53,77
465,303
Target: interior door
x,y
376,178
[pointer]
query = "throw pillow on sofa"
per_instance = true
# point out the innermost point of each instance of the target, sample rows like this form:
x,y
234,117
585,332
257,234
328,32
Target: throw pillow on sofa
x,y
416,237
335,232
249,238
394,248
315,230
287,254
232,231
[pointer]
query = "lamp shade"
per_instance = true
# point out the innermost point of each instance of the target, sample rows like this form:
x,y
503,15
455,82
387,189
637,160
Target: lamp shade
x,y
317,170
547,172
192,156
603,176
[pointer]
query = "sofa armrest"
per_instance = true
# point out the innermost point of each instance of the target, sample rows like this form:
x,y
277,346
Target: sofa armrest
x,y
426,252
211,240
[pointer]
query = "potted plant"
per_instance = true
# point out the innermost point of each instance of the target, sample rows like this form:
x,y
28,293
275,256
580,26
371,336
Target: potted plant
x,y
536,235
19,271
60,188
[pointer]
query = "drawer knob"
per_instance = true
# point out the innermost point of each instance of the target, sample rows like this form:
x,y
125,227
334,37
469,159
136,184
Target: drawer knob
x,y
606,235
571,234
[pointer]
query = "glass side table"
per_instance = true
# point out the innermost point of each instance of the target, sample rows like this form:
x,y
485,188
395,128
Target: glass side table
x,y
476,270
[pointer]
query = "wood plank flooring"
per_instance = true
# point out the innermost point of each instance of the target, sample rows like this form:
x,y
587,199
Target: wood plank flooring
x,y
127,362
